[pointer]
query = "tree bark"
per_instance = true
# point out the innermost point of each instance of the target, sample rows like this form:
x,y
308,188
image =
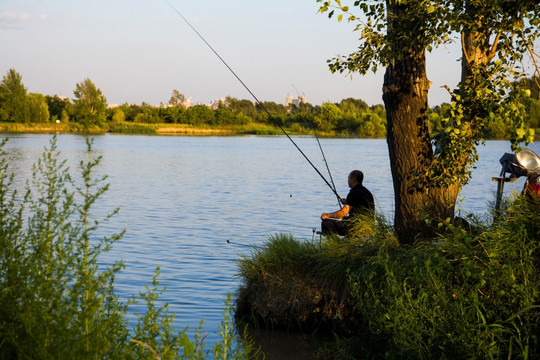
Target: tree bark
x,y
410,150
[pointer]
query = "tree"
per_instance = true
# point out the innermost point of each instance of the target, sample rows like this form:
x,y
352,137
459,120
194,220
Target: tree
x,y
13,98
396,35
176,98
90,105
57,106
494,37
37,108
327,117
244,106
200,114
118,115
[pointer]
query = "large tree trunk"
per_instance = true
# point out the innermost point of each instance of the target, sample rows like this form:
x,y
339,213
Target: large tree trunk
x,y
409,144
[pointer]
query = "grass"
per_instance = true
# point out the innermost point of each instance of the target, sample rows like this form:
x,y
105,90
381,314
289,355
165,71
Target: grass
x,y
473,292
141,129
303,285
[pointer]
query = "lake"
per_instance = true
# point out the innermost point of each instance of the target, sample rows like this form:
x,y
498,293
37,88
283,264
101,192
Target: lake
x,y
182,198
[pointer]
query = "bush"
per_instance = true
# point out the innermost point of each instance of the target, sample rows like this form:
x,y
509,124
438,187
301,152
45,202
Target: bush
x,y
471,294
56,302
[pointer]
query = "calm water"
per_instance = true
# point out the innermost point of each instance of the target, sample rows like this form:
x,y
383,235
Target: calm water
x,y
182,198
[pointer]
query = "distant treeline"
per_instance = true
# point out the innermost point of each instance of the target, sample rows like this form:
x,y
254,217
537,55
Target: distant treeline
x,y
350,117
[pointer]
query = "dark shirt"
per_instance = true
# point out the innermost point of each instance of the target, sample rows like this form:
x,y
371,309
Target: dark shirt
x,y
360,200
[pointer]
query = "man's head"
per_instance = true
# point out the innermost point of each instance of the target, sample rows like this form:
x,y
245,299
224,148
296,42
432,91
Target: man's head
x,y
355,177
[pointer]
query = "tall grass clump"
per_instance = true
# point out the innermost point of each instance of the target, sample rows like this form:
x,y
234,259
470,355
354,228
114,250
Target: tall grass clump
x,y
56,301
295,284
472,293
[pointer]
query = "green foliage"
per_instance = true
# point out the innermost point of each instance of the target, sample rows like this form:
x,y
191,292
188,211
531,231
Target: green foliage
x,y
244,107
58,108
418,23
38,108
199,114
485,105
354,118
118,116
300,284
56,302
473,293
172,115
148,115
50,272
154,335
327,117
230,347
13,98
89,105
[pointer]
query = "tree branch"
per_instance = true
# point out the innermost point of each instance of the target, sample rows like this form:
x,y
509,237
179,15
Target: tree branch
x,y
493,51
534,55
448,89
464,49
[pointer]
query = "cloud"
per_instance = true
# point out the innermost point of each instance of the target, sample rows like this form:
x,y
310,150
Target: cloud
x,y
17,20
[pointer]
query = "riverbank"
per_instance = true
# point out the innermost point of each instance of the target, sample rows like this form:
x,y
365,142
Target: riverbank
x,y
473,295
130,128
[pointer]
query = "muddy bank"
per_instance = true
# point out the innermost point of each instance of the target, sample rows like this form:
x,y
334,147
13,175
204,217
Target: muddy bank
x,y
297,304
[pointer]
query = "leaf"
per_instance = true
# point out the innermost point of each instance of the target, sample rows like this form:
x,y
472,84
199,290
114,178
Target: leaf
x,y
340,17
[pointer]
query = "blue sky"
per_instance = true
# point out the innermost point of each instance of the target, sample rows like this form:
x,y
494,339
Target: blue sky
x,y
140,50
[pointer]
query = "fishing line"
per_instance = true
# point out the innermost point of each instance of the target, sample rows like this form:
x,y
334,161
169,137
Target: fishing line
x,y
328,168
251,93
237,244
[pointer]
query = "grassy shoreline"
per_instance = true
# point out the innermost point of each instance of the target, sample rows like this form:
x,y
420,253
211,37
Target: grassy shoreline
x,y
471,293
129,128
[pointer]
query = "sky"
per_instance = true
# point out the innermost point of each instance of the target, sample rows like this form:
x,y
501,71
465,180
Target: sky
x,y
139,51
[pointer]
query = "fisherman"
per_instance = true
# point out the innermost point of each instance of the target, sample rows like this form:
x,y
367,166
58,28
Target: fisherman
x,y
358,201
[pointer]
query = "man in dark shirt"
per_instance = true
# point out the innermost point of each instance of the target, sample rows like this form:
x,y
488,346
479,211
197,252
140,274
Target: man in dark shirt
x,y
358,201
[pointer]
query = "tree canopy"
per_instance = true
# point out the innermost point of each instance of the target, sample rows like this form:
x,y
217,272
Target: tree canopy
x,y
13,98
494,37
90,104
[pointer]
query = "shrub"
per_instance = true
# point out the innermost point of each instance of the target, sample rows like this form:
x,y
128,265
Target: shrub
x,y
56,302
470,294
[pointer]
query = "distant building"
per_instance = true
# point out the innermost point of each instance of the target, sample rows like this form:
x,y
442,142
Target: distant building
x,y
214,104
188,102
289,100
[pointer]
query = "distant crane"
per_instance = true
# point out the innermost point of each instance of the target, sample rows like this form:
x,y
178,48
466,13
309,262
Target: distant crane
x,y
302,97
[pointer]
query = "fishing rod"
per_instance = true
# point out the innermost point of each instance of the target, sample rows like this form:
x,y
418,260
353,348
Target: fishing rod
x,y
251,93
328,168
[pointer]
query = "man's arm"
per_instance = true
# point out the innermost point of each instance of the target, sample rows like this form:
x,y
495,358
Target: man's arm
x,y
340,214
